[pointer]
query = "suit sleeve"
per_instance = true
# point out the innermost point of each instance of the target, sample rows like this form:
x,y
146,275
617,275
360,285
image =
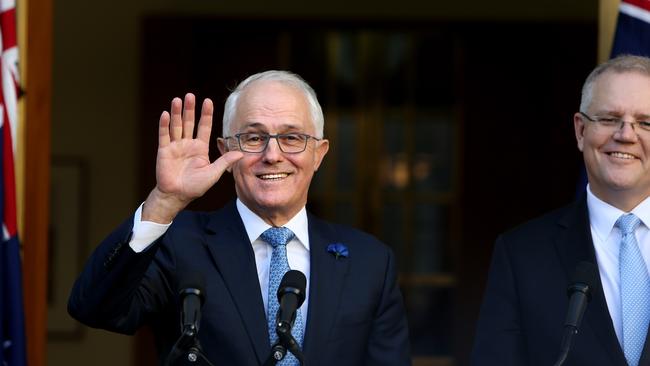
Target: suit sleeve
x,y
388,343
499,334
118,287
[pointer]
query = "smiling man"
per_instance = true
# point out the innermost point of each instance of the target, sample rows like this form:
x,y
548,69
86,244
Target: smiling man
x,y
273,144
523,313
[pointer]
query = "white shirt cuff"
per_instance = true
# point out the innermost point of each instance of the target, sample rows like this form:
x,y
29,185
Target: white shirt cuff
x,y
145,232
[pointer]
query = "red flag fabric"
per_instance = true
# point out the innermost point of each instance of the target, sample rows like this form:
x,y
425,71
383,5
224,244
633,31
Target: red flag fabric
x,y
12,324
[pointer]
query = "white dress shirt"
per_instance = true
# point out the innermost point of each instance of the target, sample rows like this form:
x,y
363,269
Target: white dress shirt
x,y
607,240
146,232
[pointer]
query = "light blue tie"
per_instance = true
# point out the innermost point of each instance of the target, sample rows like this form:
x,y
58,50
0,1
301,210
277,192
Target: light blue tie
x,y
278,237
635,290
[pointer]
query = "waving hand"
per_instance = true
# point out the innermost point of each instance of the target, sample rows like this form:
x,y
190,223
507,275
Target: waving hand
x,y
183,168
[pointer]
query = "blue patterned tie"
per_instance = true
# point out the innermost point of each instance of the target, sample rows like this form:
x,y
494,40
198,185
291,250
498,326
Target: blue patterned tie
x,y
635,290
278,237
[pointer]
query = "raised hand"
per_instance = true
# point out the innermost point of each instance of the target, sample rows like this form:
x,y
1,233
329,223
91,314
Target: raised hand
x,y
183,168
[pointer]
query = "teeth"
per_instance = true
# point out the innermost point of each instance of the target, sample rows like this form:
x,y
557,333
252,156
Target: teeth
x,y
622,155
274,176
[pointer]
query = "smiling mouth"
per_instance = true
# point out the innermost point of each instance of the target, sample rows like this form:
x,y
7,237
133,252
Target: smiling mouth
x,y
276,176
621,155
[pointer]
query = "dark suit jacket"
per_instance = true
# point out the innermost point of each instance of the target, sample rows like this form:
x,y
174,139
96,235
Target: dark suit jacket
x,y
525,304
356,315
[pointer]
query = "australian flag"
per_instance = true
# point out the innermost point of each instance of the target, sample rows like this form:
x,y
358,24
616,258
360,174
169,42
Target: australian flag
x,y
632,29
12,318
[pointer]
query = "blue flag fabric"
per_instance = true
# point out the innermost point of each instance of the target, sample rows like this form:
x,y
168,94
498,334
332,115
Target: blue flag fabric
x,y
12,333
632,29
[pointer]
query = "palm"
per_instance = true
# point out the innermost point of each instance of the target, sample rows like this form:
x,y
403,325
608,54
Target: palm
x,y
183,168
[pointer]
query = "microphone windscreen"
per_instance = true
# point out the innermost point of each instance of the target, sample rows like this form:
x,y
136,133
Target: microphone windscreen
x,y
584,278
191,282
586,273
294,279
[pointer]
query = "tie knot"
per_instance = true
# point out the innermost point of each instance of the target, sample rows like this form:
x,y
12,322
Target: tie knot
x,y
628,223
277,236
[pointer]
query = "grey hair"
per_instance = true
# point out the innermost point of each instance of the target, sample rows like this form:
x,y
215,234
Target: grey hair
x,y
284,77
620,64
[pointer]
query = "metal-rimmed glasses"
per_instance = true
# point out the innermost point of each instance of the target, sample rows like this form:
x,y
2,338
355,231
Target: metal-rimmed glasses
x,y
612,124
255,142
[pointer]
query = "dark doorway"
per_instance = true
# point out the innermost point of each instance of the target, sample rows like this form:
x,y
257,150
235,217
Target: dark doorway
x,y
442,135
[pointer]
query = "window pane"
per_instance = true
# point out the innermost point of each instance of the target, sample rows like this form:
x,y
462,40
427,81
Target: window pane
x,y
433,161
346,153
429,313
394,164
431,235
392,232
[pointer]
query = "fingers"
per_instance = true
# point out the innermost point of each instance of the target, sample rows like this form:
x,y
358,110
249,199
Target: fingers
x,y
205,123
179,122
176,129
163,130
188,116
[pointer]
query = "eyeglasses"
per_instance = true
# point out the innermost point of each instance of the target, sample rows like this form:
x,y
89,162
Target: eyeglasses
x,y
612,124
290,143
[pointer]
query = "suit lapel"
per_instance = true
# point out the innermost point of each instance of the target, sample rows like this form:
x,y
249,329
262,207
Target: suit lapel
x,y
233,255
574,245
327,276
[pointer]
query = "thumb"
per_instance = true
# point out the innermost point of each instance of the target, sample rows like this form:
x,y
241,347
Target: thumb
x,y
225,162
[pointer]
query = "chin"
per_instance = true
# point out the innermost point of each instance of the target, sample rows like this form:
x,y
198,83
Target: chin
x,y
272,204
622,186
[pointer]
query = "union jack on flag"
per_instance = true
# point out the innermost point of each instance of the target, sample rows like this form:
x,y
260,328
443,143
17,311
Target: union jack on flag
x,y
12,323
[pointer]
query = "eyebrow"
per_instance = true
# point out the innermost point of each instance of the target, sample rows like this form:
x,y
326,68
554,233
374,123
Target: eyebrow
x,y
258,125
619,113
642,116
613,113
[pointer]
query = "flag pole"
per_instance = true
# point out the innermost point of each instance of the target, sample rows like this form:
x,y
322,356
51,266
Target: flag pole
x,y
37,83
607,14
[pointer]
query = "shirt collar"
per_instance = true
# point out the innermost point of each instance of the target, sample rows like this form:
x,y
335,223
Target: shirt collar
x,y
255,226
603,216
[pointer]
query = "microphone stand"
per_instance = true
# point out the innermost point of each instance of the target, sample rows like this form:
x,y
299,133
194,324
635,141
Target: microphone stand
x,y
567,339
579,296
286,342
187,350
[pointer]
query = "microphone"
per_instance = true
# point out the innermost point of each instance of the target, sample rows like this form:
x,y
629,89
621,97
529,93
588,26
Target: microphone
x,y
579,293
291,295
192,297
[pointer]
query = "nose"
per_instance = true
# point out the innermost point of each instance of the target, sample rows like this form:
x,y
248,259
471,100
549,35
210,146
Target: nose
x,y
626,132
272,153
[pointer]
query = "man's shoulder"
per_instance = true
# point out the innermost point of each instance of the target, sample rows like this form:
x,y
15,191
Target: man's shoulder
x,y
548,224
344,234
225,212
190,220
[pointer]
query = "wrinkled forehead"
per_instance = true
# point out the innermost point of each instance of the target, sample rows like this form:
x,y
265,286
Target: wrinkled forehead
x,y
273,106
627,91
611,75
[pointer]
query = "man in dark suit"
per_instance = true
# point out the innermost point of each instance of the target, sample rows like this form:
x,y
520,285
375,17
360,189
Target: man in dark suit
x,y
272,143
523,312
